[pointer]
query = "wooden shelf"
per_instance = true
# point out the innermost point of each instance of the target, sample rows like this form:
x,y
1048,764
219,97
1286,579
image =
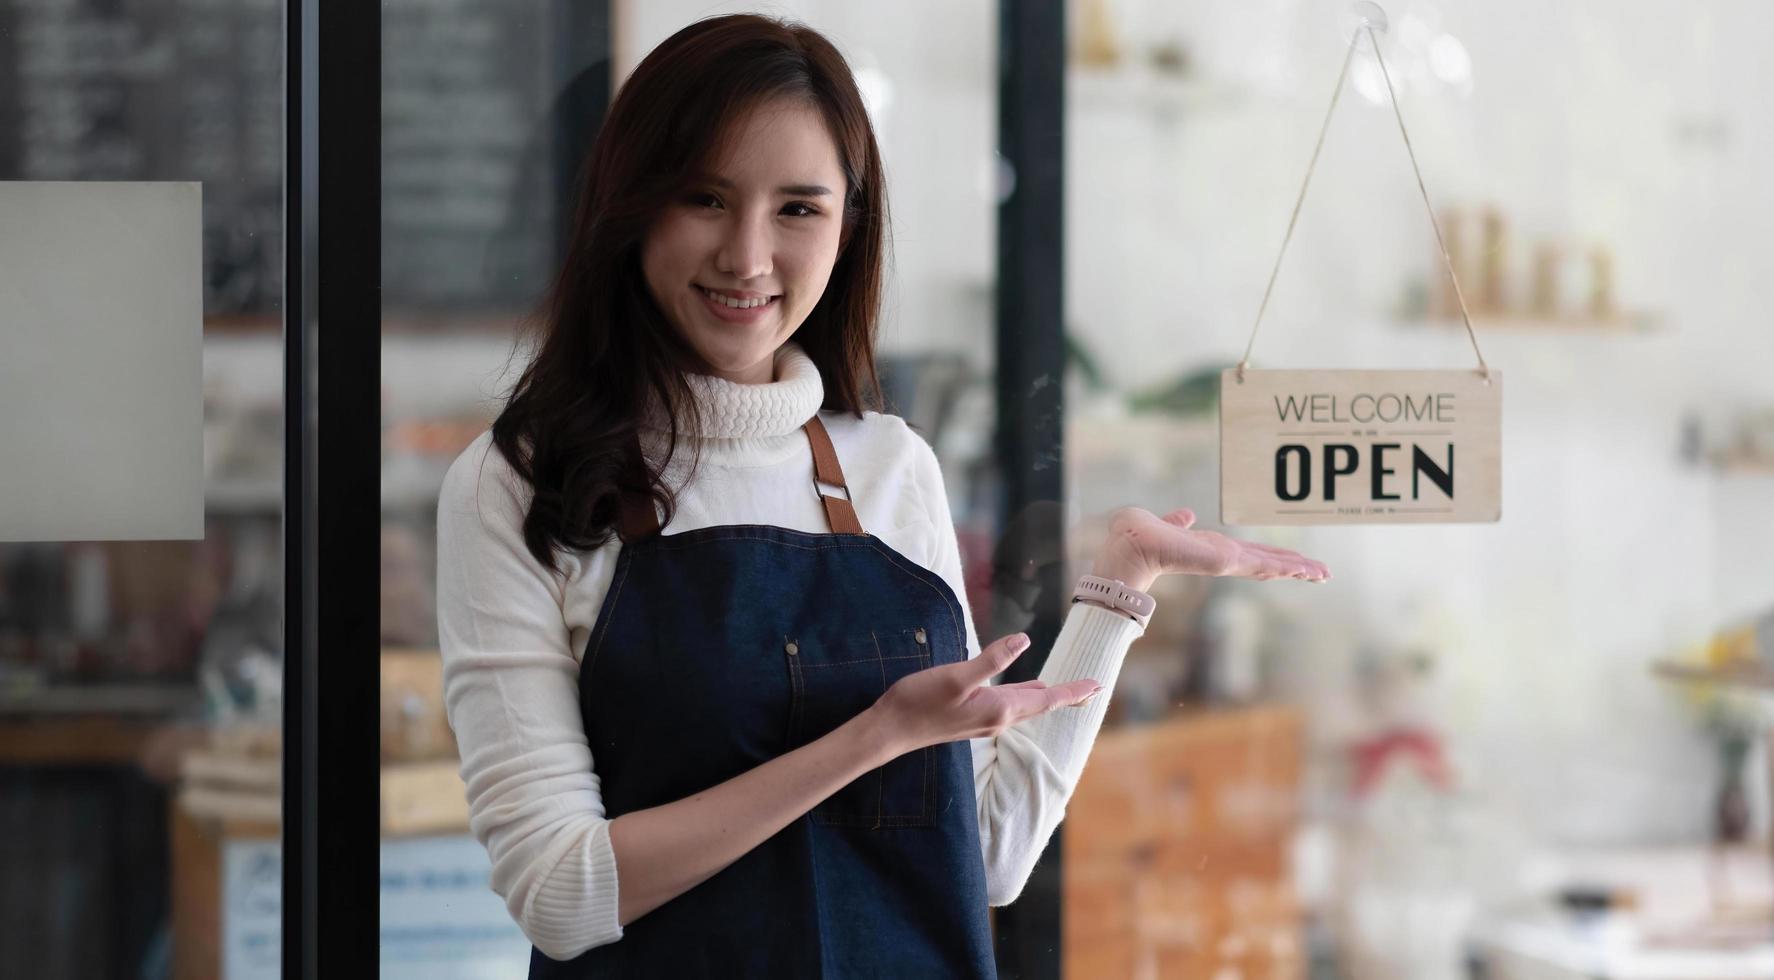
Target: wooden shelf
x,y
1627,324
1750,676
74,741
1743,466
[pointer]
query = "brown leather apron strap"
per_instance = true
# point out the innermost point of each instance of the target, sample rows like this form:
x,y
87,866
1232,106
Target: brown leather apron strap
x,y
637,517
839,513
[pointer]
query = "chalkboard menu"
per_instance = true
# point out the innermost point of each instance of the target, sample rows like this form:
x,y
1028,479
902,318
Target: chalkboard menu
x,y
467,184
166,90
193,90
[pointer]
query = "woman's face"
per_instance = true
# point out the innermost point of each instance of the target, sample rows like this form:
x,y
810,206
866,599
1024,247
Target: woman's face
x,y
761,230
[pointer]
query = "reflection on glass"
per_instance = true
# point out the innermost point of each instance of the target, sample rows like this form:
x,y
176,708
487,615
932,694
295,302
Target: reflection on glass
x,y
140,680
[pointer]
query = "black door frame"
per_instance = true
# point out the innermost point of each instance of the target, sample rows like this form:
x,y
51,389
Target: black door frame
x,y
332,512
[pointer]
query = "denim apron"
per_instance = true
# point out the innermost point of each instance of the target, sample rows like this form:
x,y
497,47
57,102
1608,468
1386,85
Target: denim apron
x,y
721,648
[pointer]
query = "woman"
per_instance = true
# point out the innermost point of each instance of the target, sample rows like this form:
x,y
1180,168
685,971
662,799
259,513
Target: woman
x,y
764,744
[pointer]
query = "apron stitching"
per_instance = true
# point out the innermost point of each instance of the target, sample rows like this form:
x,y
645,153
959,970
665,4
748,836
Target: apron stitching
x,y
837,540
865,660
881,782
795,687
624,562
929,764
929,756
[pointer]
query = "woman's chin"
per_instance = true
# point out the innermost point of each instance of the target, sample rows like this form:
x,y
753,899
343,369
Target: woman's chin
x,y
744,358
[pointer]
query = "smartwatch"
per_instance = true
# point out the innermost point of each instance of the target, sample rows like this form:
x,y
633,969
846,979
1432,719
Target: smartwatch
x,y
1112,593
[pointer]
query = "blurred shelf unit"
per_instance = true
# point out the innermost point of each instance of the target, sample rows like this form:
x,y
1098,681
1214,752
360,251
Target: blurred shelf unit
x,y
74,740
133,700
269,325
1143,88
1744,465
1748,676
1635,324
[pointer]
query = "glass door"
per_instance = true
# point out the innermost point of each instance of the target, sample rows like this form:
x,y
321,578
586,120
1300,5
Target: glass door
x,y
141,501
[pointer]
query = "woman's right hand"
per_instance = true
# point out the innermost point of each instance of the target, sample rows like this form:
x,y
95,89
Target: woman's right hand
x,y
953,701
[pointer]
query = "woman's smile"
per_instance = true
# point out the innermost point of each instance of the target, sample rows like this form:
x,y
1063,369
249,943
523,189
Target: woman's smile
x,y
735,306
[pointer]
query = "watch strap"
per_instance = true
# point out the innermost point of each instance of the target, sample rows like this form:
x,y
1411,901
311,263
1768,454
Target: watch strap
x,y
1117,595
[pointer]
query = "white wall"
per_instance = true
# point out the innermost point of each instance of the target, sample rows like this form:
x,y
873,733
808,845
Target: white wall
x,y
1577,122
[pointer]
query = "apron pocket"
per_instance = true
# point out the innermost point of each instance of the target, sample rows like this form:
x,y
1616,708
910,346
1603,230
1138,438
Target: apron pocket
x,y
835,680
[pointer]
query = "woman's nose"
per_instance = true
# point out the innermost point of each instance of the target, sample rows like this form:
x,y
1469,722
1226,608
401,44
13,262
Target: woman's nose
x,y
746,252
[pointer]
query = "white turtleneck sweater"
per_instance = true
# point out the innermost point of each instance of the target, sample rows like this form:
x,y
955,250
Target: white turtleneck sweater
x,y
511,634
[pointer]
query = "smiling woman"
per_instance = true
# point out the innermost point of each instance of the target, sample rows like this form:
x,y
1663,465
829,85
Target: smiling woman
x,y
741,261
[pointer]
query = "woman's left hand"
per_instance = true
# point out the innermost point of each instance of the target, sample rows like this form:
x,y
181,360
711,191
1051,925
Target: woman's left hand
x,y
1142,546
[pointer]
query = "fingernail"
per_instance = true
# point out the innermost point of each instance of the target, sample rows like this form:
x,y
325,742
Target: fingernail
x,y
1019,642
1086,699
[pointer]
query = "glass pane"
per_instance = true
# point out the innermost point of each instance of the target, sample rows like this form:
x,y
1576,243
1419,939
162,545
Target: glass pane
x,y
489,112
487,106
140,679
1466,754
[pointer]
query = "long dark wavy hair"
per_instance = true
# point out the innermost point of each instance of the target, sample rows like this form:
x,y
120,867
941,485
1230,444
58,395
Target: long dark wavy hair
x,y
602,344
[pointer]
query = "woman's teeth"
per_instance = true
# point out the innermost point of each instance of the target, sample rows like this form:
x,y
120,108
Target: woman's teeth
x,y
738,304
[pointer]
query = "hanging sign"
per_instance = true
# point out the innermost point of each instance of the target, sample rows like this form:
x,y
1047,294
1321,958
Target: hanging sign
x,y
1360,447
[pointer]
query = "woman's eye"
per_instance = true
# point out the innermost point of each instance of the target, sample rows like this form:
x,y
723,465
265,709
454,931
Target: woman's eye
x,y
799,210
705,200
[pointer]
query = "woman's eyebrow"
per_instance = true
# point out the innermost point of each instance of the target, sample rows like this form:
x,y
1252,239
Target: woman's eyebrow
x,y
794,190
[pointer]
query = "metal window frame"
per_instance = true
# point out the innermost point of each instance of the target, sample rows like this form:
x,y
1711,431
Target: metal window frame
x,y
331,535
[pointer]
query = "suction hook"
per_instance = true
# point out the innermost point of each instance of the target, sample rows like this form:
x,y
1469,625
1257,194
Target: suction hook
x,y
1363,16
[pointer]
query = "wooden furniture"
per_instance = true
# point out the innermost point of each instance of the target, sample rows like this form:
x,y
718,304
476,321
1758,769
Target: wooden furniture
x,y
1177,844
422,791
197,900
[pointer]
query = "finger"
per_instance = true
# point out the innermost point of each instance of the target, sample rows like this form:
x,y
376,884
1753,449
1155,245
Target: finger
x,y
1182,517
1034,685
1313,567
1275,568
1290,563
1028,702
1083,690
994,659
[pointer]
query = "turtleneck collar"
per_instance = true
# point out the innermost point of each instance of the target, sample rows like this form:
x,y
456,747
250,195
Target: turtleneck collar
x,y
748,424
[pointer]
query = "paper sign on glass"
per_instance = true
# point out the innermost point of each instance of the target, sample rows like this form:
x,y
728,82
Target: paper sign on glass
x,y
1360,447
101,360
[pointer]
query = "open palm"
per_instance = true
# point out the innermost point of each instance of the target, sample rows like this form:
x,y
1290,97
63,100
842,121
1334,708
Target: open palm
x,y
1143,546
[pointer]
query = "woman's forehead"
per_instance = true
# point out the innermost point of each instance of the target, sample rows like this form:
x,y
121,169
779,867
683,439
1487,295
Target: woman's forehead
x,y
782,143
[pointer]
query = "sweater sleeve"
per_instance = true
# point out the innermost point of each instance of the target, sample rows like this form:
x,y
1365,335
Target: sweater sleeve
x,y
512,697
1023,778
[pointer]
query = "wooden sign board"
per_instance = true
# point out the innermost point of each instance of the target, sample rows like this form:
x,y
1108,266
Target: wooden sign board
x,y
1360,447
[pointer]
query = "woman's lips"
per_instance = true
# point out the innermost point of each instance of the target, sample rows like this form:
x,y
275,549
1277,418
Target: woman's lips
x,y
733,315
